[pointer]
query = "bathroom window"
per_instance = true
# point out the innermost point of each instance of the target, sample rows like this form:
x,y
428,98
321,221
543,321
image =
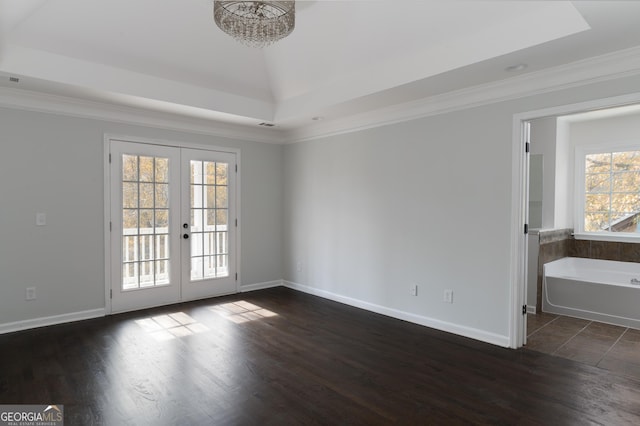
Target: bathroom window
x,y
608,184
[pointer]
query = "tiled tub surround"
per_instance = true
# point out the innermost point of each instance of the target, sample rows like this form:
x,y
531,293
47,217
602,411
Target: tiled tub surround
x,y
554,244
606,250
558,243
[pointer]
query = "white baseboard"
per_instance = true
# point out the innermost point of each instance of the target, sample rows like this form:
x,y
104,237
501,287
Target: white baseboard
x,y
531,309
259,286
473,333
52,320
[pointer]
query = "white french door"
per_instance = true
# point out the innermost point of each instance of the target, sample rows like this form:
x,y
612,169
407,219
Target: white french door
x,y
173,226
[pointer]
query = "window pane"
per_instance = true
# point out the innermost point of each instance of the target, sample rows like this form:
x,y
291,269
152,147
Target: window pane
x,y
196,268
222,218
129,221
221,197
597,203
598,182
162,246
626,182
222,266
209,266
146,247
196,196
594,222
162,195
146,169
625,203
211,219
162,170
162,221
211,197
162,272
210,169
196,244
598,163
221,173
146,274
222,242
129,276
626,161
196,172
209,243
129,168
146,195
130,195
196,220
627,223
146,221
130,249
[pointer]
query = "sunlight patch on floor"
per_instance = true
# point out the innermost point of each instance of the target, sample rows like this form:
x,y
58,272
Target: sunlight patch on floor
x,y
242,311
170,326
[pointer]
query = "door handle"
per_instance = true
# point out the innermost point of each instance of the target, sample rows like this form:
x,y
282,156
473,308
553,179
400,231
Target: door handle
x,y
185,236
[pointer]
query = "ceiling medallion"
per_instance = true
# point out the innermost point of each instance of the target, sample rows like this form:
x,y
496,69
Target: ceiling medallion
x,y
255,23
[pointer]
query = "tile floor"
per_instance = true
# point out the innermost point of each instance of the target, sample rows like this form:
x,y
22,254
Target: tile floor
x,y
606,346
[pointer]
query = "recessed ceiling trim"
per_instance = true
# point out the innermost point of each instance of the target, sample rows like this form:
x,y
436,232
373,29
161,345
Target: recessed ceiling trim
x,y
624,63
73,107
98,77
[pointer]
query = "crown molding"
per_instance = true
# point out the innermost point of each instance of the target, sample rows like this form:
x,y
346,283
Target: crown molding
x,y
620,64
74,107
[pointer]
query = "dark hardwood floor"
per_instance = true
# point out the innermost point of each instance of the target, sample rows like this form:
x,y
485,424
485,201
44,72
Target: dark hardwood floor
x,y
279,357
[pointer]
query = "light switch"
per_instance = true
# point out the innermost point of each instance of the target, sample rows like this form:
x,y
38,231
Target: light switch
x,y
41,219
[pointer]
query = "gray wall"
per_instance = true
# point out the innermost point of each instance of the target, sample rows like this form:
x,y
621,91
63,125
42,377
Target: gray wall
x,y
54,164
361,215
426,201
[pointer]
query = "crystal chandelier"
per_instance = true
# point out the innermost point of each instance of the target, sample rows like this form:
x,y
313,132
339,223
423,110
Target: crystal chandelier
x,y
255,23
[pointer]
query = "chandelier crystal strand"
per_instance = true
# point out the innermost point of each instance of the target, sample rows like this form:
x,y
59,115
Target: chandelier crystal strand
x,y
255,23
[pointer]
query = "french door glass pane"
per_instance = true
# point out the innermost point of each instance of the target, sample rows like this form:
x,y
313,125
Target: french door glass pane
x,y
145,221
209,212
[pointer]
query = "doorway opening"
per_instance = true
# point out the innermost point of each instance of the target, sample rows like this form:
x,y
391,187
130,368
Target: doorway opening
x,y
553,204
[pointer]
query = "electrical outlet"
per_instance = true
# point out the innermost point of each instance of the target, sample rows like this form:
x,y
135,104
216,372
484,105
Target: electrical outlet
x,y
41,219
30,293
413,290
448,296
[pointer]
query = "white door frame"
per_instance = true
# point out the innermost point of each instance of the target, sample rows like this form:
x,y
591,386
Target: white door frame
x,y
519,200
108,137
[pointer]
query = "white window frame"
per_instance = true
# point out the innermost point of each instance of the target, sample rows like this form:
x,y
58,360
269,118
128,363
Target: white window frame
x,y
579,200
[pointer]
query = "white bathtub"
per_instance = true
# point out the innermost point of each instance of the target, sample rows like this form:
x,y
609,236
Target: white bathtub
x,y
598,290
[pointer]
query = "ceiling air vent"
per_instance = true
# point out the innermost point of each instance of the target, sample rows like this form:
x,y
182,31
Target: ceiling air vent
x,y
14,79
266,124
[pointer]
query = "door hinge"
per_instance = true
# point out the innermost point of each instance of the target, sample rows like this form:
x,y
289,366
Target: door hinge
x,y
109,158
236,168
524,309
236,276
527,147
236,223
110,226
526,228
111,294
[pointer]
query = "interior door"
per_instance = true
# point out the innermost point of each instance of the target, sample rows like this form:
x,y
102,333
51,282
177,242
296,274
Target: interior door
x,y
171,215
